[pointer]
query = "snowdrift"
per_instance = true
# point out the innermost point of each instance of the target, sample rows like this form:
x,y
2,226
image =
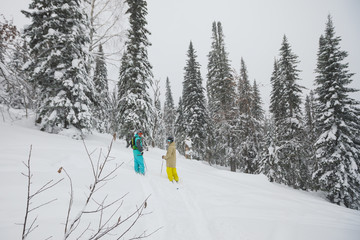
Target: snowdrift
x,y
208,203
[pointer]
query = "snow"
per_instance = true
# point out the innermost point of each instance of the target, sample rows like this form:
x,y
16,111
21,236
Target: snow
x,y
53,115
210,203
4,70
58,74
52,32
37,70
75,63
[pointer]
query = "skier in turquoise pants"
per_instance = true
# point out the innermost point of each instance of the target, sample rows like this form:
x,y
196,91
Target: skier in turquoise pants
x,y
138,154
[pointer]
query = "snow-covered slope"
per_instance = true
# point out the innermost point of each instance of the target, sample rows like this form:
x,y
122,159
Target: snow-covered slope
x,y
209,204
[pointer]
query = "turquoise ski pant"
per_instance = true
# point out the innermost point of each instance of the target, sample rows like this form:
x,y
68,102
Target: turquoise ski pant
x,y
139,162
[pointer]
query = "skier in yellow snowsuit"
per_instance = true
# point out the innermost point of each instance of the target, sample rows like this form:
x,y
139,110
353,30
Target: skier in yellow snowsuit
x,y
171,160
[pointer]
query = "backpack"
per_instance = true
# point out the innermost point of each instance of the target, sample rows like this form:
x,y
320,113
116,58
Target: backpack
x,y
133,143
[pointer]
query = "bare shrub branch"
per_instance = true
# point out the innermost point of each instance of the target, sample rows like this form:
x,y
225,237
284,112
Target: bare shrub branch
x,y
101,175
28,229
109,218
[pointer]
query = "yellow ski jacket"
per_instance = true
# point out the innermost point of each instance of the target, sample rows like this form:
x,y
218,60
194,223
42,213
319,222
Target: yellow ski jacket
x,y
171,156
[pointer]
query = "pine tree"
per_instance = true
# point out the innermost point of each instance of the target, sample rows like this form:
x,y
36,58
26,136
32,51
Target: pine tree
x,y
310,129
277,105
212,75
169,111
180,128
247,151
220,79
258,117
158,132
250,121
245,91
337,148
269,162
288,158
113,111
58,36
221,102
267,156
135,105
310,116
256,107
194,109
102,104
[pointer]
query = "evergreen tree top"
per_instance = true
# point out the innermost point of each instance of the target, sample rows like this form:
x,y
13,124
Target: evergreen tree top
x,y
332,73
135,77
169,102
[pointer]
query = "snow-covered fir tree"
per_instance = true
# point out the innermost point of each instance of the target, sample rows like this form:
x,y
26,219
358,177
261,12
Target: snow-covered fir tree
x,y
212,143
247,148
267,153
169,111
310,116
268,159
337,170
258,118
194,109
113,111
58,38
221,101
244,91
102,103
277,106
219,76
212,74
310,129
135,104
158,131
180,128
288,155
256,106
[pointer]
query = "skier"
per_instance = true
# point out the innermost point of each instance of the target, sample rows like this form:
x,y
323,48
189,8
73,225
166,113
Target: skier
x,y
138,153
171,160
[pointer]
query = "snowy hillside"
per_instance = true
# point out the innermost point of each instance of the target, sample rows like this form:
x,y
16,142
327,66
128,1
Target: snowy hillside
x,y
209,204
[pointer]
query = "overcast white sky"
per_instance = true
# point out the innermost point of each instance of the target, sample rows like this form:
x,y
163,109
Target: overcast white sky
x,y
253,30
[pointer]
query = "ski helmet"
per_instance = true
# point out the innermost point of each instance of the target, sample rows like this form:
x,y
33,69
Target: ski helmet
x,y
170,139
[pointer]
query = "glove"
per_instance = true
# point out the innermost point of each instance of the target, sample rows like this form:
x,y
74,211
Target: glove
x,y
142,153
